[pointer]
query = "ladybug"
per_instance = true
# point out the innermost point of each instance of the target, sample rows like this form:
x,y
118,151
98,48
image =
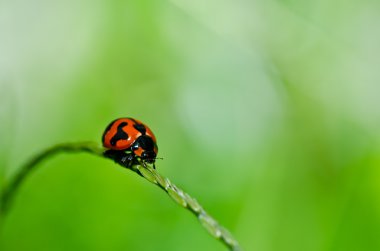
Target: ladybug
x,y
130,140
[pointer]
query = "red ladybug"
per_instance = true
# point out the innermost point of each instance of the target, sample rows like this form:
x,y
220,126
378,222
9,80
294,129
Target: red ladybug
x,y
128,134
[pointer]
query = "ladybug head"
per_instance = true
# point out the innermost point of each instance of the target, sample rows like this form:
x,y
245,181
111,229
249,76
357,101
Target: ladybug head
x,y
145,148
149,156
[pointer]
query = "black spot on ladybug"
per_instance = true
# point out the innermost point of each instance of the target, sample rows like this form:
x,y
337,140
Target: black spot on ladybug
x,y
140,127
120,134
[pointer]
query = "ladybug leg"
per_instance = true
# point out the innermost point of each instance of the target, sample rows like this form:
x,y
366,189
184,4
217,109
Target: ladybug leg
x,y
127,160
121,157
143,163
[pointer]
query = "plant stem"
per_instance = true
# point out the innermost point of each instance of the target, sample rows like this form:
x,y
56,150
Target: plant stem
x,y
181,198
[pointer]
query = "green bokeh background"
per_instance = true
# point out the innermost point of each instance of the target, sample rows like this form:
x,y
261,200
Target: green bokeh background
x,y
266,111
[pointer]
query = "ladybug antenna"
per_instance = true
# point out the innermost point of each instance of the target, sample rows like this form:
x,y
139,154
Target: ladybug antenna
x,y
159,158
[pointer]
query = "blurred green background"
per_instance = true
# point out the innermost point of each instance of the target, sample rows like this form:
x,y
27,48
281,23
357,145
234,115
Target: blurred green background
x,y
266,111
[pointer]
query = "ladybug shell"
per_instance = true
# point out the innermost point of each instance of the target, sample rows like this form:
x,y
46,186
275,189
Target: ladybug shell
x,y
123,133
